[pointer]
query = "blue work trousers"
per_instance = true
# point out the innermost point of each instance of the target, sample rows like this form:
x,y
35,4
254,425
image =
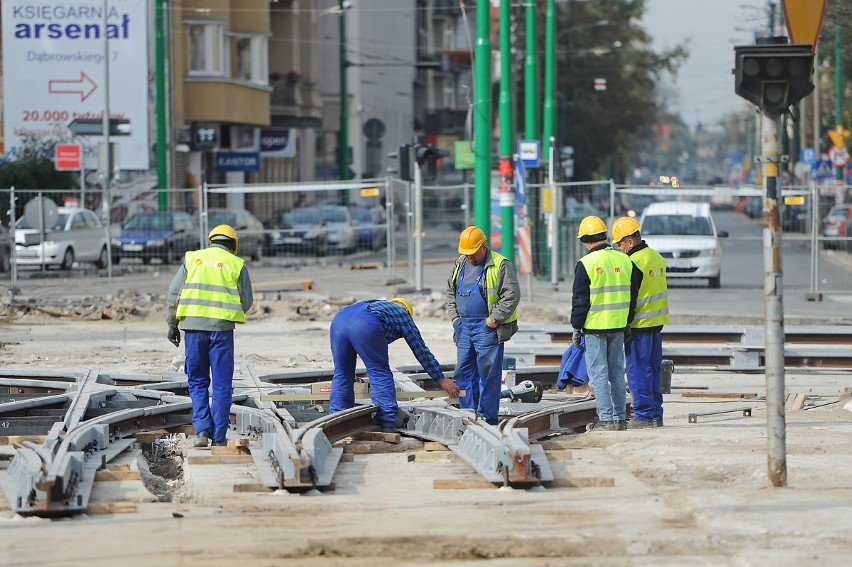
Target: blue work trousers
x,y
644,358
479,367
210,353
605,364
357,332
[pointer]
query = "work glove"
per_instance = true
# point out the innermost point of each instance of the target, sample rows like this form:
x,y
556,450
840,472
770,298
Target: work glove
x,y
174,336
576,339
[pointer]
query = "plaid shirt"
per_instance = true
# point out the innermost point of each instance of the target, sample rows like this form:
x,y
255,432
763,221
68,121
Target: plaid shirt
x,y
397,323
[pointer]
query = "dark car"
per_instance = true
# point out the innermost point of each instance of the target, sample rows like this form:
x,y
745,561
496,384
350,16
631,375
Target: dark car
x,y
370,224
166,236
250,231
299,230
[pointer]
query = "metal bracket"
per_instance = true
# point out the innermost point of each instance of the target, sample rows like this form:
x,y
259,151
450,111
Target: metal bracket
x,y
693,417
767,159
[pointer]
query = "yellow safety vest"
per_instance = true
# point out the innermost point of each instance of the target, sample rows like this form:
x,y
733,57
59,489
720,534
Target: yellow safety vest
x,y
609,289
211,289
491,292
652,304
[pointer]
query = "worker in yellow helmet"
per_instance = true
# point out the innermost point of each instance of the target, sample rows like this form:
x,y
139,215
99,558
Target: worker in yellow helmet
x,y
482,302
207,297
602,306
644,354
366,329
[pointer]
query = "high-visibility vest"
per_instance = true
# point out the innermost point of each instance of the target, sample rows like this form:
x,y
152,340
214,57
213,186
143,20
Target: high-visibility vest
x,y
652,304
211,288
491,292
609,289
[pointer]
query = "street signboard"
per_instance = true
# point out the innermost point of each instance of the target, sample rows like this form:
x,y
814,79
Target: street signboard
x,y
465,159
529,151
807,155
804,19
54,70
68,157
822,169
600,84
238,161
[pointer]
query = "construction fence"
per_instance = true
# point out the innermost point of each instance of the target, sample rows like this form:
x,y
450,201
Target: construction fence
x,y
403,226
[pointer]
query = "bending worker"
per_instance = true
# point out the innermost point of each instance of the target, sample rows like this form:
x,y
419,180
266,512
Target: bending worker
x,y
602,306
482,302
366,329
645,353
208,296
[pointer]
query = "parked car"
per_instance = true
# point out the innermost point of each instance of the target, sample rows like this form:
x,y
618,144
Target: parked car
x,y
341,233
164,235
77,235
371,227
686,236
834,226
252,235
299,230
5,249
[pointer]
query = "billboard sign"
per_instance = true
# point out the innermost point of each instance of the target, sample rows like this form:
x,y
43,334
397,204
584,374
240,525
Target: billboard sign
x,y
277,142
68,157
238,161
56,58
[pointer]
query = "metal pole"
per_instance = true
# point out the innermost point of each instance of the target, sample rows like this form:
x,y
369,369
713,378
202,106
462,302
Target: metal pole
x,y
344,103
107,204
549,108
531,76
14,252
814,293
507,138
773,303
418,227
553,229
482,120
162,118
838,90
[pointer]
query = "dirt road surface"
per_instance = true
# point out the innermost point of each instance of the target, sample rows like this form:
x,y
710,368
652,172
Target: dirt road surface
x,y
684,494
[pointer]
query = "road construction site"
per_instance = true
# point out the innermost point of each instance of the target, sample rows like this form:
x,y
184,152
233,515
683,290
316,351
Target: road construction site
x,y
536,491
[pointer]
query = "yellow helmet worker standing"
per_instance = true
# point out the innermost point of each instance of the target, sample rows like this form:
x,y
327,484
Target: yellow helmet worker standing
x,y
622,228
482,302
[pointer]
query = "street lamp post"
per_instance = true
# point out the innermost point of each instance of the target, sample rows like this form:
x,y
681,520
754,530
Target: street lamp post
x,y
343,147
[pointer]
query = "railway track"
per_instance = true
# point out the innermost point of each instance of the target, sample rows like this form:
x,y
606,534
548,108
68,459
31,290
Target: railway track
x,y
65,427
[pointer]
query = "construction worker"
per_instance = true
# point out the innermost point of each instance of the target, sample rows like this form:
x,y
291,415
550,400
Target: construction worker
x,y
602,306
645,352
482,302
208,295
366,329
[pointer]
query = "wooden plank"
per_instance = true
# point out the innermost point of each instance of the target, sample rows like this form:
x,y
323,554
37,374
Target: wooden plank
x,y
108,475
112,508
581,482
347,458
325,396
434,457
284,285
252,487
357,448
434,446
118,466
559,455
229,450
461,483
376,436
219,459
12,439
731,395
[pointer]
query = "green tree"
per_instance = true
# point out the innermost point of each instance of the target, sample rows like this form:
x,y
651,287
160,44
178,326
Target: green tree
x,y
31,167
604,40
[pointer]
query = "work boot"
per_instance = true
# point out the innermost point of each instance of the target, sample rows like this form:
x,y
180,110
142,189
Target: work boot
x,y
601,426
640,423
201,440
658,422
219,444
619,425
388,430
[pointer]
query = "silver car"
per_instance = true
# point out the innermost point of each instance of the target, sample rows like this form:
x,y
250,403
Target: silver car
x,y
77,235
341,231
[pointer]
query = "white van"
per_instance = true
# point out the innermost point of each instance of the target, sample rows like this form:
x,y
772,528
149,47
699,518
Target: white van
x,y
686,236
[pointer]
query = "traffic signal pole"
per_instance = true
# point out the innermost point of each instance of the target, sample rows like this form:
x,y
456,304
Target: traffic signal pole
x,y
773,302
507,138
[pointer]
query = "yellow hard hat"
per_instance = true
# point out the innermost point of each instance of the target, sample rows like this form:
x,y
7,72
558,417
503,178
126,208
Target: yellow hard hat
x,y
405,303
224,231
471,240
591,226
623,227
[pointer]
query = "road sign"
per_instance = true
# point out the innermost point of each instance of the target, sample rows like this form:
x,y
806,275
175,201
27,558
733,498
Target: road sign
x,y
807,155
68,157
839,156
95,127
600,84
41,213
529,151
822,170
804,19
465,159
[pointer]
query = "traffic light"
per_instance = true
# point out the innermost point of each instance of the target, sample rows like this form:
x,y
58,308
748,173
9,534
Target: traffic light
x,y
427,158
773,77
